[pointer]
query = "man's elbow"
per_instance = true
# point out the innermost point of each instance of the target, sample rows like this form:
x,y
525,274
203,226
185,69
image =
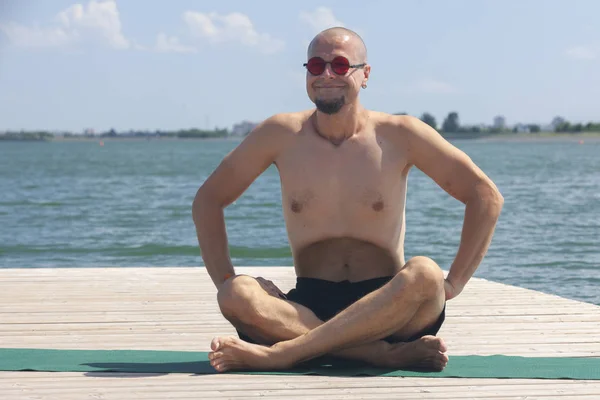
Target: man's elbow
x,y
202,200
496,204
491,197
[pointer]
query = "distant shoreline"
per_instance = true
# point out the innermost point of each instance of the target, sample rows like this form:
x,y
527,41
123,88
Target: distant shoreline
x,y
137,139
544,136
453,136
118,139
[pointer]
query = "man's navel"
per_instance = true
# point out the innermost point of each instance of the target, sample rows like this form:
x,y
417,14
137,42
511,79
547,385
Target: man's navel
x,y
378,205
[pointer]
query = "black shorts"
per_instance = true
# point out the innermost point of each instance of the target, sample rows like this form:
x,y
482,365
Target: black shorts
x,y
327,298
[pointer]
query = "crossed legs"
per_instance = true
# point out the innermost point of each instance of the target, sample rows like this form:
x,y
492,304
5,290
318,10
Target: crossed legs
x,y
290,333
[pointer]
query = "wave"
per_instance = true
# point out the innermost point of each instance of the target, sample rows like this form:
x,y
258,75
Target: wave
x,y
150,249
31,203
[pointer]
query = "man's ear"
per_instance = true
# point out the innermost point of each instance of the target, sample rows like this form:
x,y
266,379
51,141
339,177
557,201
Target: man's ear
x,y
367,72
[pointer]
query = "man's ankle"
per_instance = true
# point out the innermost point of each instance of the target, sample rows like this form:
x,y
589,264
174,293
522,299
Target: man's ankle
x,y
370,352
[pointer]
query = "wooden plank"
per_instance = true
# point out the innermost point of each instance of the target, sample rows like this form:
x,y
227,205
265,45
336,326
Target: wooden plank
x,y
296,388
175,309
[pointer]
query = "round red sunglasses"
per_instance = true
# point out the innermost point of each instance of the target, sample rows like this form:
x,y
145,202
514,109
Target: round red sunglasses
x,y
340,65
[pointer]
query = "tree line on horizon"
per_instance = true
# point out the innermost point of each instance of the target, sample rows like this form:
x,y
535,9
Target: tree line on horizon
x,y
181,134
451,124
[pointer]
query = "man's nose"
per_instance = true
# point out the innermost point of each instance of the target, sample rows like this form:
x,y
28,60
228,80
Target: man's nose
x,y
328,73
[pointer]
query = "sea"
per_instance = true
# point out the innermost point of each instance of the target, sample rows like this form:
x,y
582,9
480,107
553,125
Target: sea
x,y
127,203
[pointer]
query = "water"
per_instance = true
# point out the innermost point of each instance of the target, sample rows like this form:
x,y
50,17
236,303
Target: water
x,y
128,203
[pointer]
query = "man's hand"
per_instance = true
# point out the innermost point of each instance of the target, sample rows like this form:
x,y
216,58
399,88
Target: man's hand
x,y
451,290
270,288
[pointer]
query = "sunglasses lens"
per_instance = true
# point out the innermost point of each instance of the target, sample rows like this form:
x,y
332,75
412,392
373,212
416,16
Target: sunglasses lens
x,y
340,65
316,66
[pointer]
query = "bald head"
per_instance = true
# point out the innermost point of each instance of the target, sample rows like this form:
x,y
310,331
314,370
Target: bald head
x,y
340,36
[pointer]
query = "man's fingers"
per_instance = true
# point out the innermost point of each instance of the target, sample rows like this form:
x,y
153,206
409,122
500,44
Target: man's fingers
x,y
275,289
270,287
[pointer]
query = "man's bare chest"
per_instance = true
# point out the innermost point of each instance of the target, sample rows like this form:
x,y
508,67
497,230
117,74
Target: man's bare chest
x,y
359,181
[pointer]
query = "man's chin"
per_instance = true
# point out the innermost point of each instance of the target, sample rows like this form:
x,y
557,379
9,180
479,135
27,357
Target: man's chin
x,y
330,107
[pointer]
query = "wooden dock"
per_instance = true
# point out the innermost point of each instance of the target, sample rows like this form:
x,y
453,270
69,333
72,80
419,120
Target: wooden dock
x,y
175,309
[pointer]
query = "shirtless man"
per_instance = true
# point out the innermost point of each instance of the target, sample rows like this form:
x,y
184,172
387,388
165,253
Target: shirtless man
x,y
343,171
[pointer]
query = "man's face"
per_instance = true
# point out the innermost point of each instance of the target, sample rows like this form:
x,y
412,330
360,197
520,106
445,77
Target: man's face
x,y
330,91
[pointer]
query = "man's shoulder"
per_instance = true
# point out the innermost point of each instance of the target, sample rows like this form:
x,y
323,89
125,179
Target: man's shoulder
x,y
399,126
402,121
284,123
277,132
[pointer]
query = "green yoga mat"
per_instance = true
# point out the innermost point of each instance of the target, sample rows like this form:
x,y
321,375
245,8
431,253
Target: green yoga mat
x,y
147,361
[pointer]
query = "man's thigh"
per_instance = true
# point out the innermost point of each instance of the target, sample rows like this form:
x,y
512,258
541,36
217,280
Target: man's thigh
x,y
310,303
261,316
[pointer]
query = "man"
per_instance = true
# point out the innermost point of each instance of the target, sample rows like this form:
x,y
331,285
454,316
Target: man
x,y
343,171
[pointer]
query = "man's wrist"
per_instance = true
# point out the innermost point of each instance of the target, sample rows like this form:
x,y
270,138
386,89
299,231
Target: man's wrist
x,y
452,289
227,276
219,283
457,285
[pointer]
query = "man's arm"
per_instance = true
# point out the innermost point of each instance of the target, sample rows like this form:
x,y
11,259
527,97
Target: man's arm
x,y
456,173
229,180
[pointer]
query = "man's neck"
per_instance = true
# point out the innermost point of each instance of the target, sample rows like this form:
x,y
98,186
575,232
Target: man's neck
x,y
341,126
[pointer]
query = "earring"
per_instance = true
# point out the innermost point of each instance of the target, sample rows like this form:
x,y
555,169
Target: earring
x,y
364,85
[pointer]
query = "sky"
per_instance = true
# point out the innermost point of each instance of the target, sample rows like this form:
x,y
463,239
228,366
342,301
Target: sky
x,y
148,65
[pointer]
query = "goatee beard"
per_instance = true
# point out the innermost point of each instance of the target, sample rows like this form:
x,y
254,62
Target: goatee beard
x,y
330,106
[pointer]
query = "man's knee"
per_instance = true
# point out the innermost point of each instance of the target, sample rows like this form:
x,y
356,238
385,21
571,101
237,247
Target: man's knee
x,y
236,297
424,275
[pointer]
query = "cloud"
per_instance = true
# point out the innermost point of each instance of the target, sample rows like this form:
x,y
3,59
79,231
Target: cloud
x,y
98,21
234,27
171,44
321,18
35,37
582,52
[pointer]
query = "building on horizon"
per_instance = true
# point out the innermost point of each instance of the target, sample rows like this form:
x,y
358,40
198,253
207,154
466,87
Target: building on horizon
x,y
499,122
243,128
522,128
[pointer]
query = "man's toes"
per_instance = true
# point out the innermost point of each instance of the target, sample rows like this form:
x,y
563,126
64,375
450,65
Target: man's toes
x,y
441,365
217,358
218,366
436,343
431,364
219,363
227,342
444,357
226,365
215,344
441,361
439,343
443,348
220,343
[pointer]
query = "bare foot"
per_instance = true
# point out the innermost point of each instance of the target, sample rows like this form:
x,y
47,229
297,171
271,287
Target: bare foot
x,y
231,353
426,353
